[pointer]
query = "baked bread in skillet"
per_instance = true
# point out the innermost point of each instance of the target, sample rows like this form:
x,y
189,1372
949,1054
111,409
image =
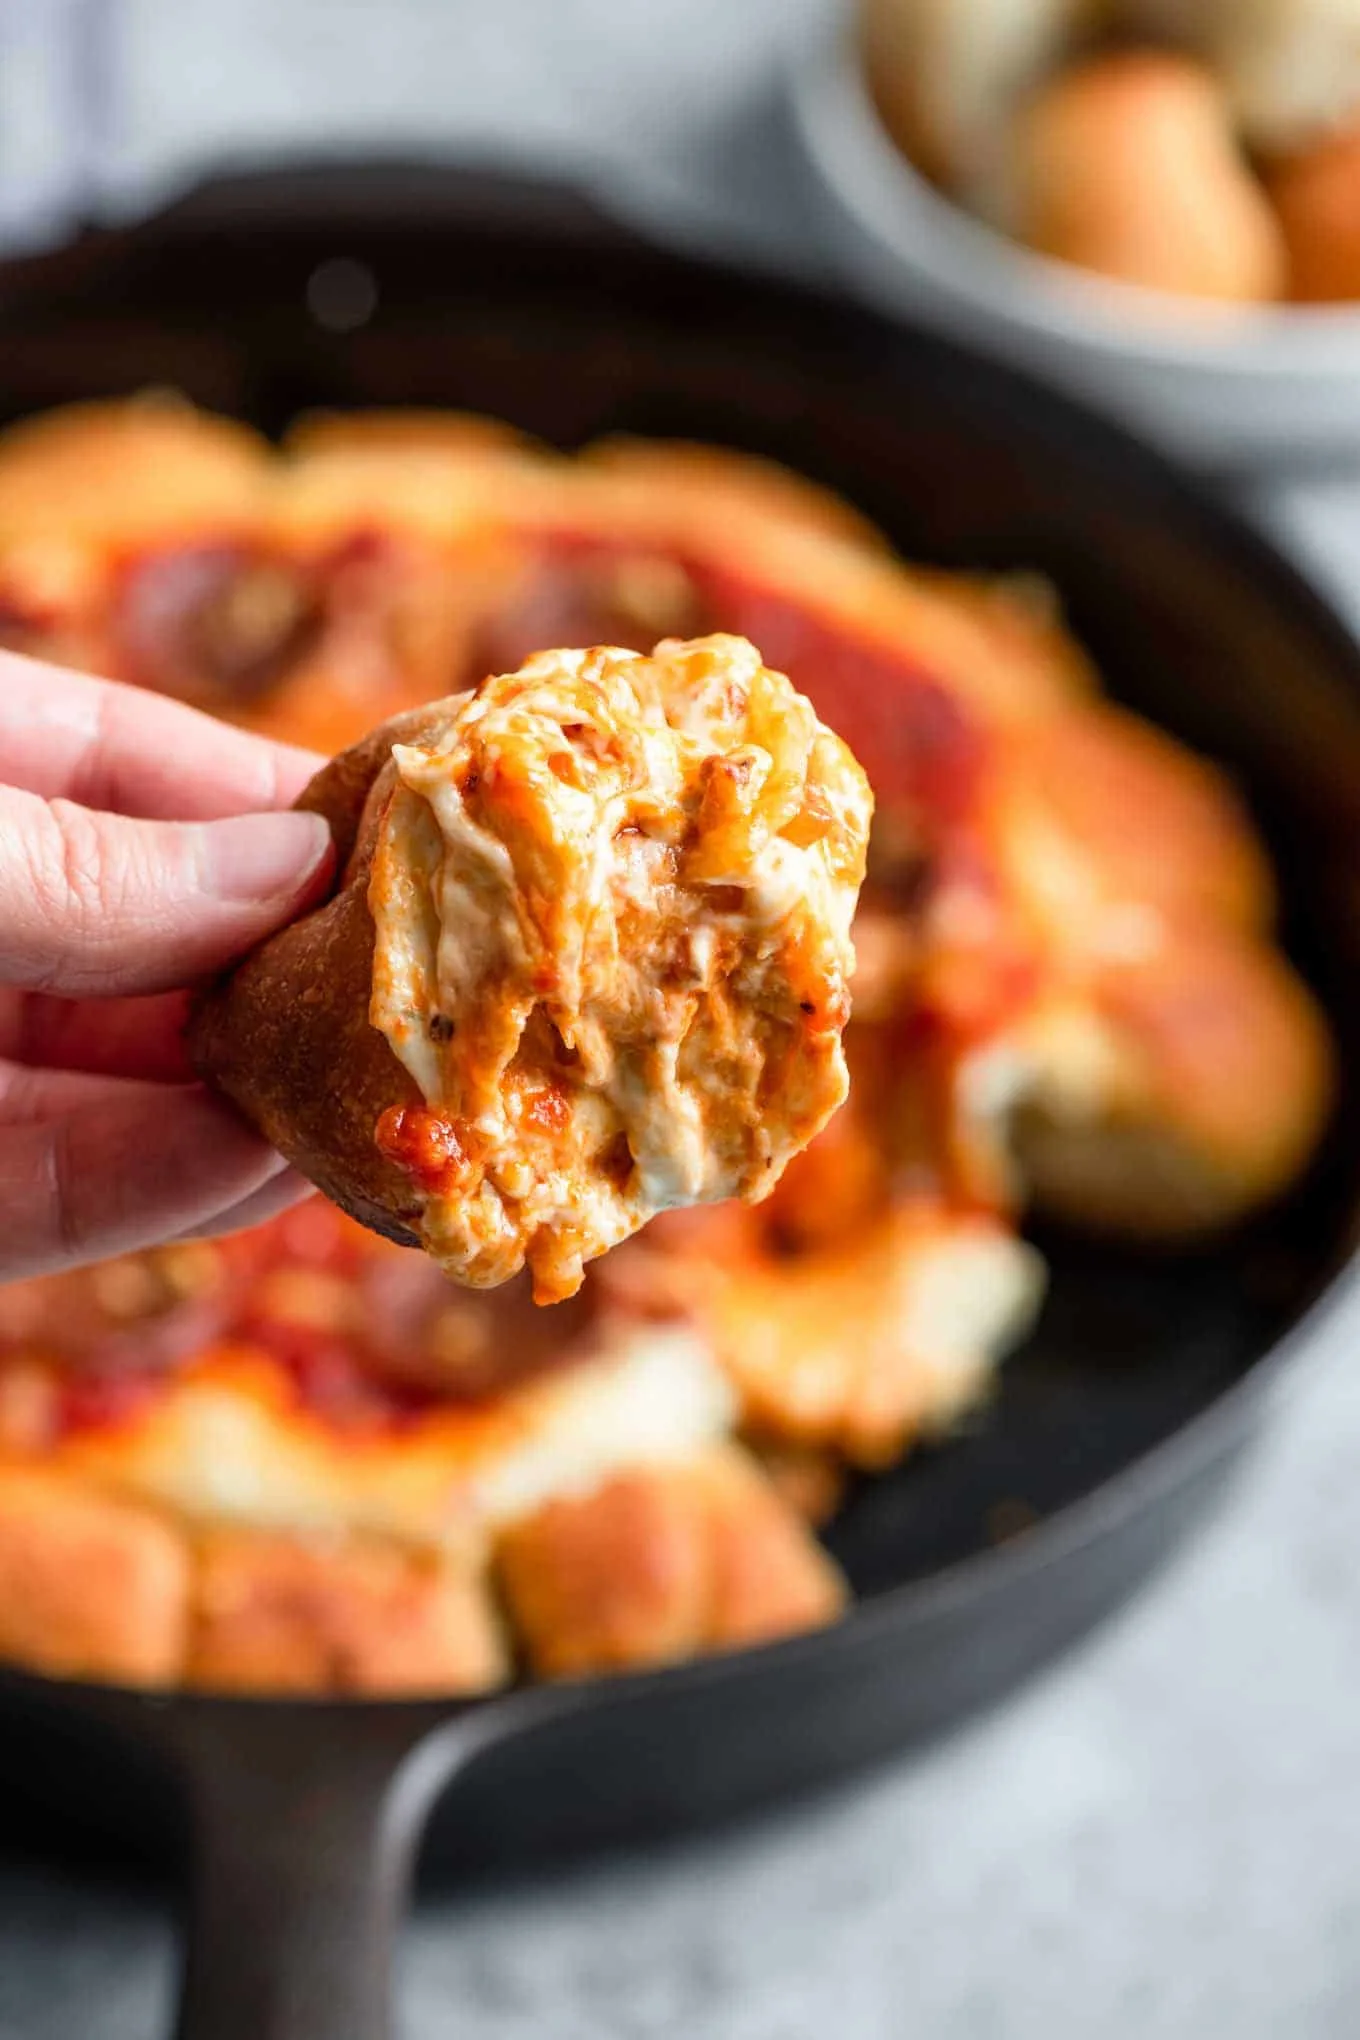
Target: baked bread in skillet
x,y
300,1459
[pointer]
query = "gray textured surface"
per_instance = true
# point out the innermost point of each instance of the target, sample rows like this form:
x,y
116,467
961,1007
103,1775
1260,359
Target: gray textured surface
x,y
1160,1838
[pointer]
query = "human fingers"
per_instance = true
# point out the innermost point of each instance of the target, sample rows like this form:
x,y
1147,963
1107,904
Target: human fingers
x,y
91,1167
72,737
280,1194
94,905
138,1037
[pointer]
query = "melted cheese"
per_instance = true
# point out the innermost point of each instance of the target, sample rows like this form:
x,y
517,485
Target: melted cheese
x,y
226,1444
612,901
867,1347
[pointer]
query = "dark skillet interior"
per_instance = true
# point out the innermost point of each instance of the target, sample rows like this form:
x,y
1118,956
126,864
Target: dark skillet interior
x,y
498,298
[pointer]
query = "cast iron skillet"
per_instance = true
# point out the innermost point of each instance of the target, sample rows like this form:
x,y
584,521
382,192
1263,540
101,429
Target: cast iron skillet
x,y
1119,1423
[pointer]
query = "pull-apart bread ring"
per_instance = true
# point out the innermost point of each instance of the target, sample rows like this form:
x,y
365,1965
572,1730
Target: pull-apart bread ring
x,y
588,960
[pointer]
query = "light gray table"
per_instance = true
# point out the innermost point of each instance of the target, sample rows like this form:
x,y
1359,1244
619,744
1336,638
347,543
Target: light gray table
x,y
1159,1839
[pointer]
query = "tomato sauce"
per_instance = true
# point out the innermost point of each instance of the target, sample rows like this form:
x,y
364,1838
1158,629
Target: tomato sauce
x,y
424,1146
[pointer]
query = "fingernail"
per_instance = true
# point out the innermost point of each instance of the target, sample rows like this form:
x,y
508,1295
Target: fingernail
x,y
259,858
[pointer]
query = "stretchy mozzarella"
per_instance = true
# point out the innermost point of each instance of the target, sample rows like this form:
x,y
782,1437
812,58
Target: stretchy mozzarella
x,y
612,899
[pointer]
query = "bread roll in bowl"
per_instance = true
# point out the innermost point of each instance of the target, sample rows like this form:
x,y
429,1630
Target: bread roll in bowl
x,y
588,960
1316,193
1291,67
1127,165
945,73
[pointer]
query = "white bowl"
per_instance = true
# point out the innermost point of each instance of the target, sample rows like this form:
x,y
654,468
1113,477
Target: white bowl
x,y
1229,388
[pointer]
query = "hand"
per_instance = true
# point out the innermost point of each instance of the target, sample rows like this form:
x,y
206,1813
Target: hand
x,y
136,857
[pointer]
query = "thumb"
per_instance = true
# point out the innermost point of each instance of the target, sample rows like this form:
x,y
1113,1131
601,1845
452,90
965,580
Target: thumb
x,y
93,905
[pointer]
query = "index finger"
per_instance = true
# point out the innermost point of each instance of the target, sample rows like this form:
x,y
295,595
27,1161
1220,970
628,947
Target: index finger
x,y
69,736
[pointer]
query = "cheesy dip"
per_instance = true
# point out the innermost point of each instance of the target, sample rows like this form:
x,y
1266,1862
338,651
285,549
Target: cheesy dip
x,y
612,898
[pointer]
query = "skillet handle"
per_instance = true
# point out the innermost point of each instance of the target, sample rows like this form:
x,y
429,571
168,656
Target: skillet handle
x,y
306,1820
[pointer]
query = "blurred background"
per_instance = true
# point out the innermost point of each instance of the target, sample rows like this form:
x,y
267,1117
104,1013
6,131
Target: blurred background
x,y
792,136
1159,1837
114,105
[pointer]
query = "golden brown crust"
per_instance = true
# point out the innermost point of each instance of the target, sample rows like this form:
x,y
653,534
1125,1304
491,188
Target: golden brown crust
x,y
1316,194
458,435
315,1091
858,1348
90,1587
341,790
1151,821
1127,165
274,1614
609,1582
1224,1076
768,1576
286,1035
661,1564
128,469
682,469
98,1587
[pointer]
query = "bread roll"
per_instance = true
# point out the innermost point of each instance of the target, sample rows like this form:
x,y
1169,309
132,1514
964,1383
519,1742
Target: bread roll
x,y
1317,197
1127,165
1291,67
945,73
